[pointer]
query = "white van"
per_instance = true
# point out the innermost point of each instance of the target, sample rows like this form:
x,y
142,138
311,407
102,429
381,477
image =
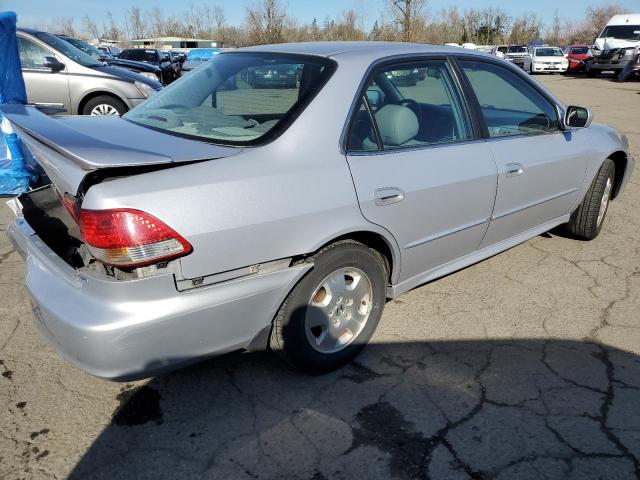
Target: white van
x,y
616,45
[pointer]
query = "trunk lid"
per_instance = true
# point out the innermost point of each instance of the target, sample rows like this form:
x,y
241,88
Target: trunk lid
x,y
70,148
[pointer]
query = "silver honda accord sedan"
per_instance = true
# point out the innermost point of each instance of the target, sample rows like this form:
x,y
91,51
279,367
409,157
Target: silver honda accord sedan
x,y
224,214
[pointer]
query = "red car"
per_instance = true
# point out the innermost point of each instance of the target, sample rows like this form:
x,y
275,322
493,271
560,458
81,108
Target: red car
x,y
577,56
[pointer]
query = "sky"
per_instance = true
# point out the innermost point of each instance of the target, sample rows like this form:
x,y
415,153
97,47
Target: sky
x,y
46,11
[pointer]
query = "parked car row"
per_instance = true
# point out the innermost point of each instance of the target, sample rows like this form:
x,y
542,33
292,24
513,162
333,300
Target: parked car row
x,y
616,49
61,78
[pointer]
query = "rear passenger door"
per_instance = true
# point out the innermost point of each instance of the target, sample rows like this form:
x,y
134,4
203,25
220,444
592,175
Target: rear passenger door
x,y
540,167
417,167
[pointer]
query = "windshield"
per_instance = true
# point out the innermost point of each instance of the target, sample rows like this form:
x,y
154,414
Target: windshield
x,y
517,50
579,51
202,54
67,50
87,48
549,52
622,32
236,98
140,55
503,49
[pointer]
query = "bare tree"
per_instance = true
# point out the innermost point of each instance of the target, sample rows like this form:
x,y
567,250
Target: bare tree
x,y
265,21
555,34
407,14
110,28
64,26
137,24
90,27
526,28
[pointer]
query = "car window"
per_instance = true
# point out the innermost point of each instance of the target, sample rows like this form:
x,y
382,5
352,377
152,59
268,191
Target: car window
x,y
416,104
579,50
362,136
236,98
509,104
140,55
31,54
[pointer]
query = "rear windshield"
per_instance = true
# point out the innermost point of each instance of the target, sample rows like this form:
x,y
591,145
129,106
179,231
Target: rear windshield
x,y
239,98
140,55
580,50
623,32
549,52
517,49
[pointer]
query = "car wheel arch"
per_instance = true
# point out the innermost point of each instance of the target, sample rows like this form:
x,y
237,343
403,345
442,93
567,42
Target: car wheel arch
x,y
383,243
98,93
620,161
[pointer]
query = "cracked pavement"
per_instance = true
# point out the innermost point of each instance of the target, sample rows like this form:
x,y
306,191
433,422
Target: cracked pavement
x,y
526,365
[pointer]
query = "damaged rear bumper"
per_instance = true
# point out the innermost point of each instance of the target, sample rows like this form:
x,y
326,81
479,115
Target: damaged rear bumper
x,y
123,330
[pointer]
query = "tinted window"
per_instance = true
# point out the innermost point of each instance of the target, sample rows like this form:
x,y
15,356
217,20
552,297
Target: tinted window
x,y
235,98
626,32
548,52
31,55
417,104
517,49
510,105
361,134
140,55
67,50
579,50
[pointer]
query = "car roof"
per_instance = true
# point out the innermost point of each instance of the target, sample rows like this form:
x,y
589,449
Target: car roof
x,y
364,49
624,19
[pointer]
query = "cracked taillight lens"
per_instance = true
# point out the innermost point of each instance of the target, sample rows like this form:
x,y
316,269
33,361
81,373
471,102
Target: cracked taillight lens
x,y
129,238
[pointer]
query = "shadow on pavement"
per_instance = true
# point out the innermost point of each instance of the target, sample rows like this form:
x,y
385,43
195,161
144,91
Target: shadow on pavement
x,y
475,409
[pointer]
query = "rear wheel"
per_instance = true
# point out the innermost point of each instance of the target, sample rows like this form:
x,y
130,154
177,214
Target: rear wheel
x,y
104,105
586,222
333,311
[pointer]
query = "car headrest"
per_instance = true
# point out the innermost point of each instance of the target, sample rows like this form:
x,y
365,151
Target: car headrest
x,y
397,124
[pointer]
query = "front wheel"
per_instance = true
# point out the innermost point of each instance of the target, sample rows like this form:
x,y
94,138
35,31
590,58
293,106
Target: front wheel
x,y
586,222
104,105
333,311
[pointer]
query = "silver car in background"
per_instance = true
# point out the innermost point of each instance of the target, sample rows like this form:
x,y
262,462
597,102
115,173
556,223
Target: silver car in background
x,y
212,219
64,79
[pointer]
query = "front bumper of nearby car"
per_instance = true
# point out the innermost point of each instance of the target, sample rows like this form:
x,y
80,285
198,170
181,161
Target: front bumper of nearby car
x,y
550,67
611,60
123,330
576,65
519,61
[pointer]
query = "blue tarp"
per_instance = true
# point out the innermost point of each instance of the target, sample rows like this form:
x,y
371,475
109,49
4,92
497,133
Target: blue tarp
x,y
11,82
14,176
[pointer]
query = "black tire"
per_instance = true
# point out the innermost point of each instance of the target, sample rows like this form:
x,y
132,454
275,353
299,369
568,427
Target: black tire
x,y
288,333
592,73
107,100
584,220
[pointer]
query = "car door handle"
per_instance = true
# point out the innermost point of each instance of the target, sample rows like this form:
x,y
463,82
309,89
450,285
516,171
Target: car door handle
x,y
388,195
514,169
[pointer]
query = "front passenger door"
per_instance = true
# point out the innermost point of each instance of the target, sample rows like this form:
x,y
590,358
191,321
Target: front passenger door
x,y
44,86
540,167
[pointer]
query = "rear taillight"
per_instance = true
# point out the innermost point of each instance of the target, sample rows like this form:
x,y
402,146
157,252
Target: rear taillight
x,y
129,238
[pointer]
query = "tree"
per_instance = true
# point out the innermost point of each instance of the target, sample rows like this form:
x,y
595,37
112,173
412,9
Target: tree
x,y
265,21
136,22
90,27
65,26
407,14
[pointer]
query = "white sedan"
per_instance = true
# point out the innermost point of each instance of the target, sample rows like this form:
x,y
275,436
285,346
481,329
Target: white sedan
x,y
545,60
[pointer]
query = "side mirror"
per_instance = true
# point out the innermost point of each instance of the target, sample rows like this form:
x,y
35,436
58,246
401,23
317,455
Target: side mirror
x,y
577,117
53,63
